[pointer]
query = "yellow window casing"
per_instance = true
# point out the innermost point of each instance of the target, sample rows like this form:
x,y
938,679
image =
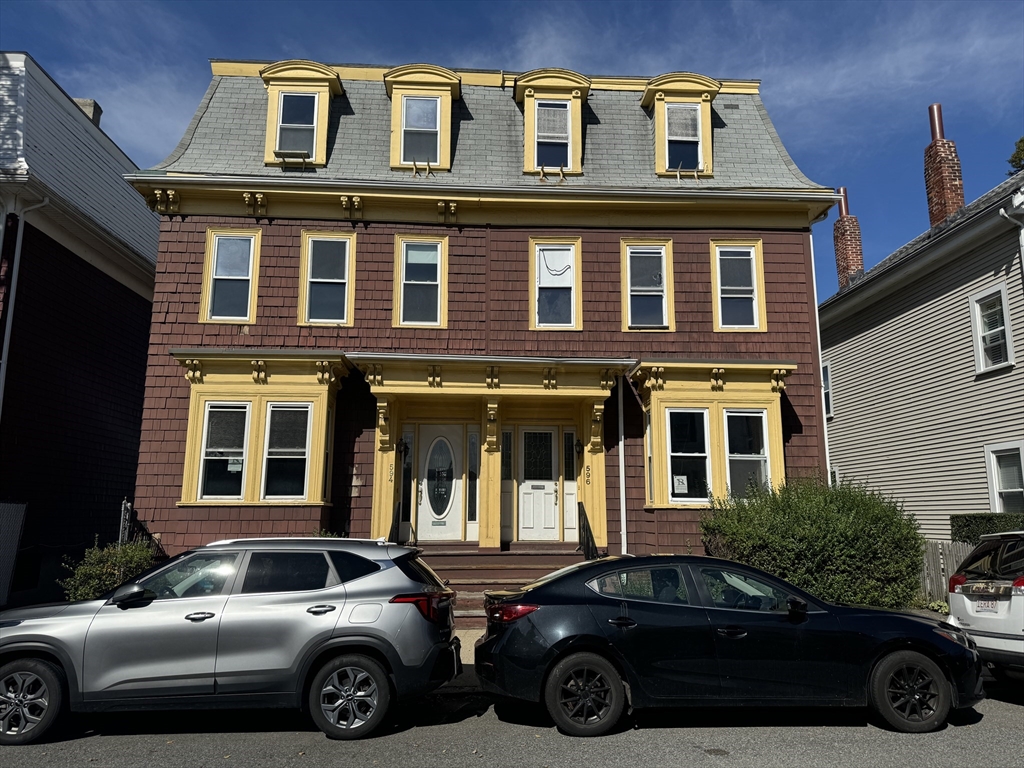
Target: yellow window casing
x,y
669,280
424,80
396,316
208,264
577,243
761,313
681,88
350,276
554,85
299,77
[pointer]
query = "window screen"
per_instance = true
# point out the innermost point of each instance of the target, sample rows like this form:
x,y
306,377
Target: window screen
x,y
285,572
552,134
683,133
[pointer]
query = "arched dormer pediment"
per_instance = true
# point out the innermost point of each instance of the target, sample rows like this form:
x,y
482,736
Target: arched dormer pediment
x,y
551,79
297,71
423,76
679,84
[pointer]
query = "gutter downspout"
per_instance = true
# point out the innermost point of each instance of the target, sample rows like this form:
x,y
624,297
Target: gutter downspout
x,y
622,471
14,293
821,352
1016,210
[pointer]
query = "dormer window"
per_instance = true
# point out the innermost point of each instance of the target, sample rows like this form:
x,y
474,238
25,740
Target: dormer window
x,y
421,116
681,107
421,129
298,104
552,102
682,131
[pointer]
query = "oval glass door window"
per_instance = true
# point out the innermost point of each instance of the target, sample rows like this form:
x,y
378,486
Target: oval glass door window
x,y
440,477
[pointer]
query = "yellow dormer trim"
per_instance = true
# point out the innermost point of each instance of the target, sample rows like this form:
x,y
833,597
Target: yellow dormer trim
x,y
299,77
552,85
681,88
429,81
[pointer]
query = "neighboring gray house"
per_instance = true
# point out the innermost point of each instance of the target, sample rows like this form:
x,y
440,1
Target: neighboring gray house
x,y
77,264
922,355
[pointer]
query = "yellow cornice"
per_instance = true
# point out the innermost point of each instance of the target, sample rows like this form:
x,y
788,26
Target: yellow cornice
x,y
488,79
301,71
428,75
678,84
552,79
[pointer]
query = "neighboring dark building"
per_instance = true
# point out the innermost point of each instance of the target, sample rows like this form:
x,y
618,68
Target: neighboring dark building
x,y
420,303
76,283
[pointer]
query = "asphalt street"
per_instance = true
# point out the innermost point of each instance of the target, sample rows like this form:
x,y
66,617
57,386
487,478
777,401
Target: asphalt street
x,y
456,728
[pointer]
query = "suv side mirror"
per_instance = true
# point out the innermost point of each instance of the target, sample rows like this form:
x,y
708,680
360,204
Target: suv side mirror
x,y
797,609
131,594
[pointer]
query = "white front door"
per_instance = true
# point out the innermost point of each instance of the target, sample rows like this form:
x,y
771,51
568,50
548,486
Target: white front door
x,y
538,485
439,491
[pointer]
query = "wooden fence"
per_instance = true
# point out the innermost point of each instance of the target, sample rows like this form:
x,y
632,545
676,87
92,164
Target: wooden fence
x,y
941,559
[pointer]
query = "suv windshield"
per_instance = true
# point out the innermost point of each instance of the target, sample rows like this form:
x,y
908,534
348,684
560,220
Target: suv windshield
x,y
995,560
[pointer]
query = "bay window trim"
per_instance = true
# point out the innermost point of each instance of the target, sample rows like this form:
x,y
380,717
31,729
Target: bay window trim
x,y
209,265
760,313
627,244
305,266
442,293
535,243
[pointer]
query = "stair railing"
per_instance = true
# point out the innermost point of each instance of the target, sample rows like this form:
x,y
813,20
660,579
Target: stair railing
x,y
587,544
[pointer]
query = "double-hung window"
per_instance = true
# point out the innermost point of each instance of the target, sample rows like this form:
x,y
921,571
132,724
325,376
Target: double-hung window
x,y
286,454
689,462
225,438
420,278
682,132
993,346
553,133
421,129
327,271
746,437
738,281
232,270
1006,476
296,131
556,284
826,386
647,277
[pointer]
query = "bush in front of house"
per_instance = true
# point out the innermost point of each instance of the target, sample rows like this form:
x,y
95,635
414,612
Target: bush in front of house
x,y
841,543
970,528
103,569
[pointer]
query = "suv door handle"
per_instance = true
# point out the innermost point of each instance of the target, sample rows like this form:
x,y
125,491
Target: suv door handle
x,y
320,610
623,622
195,618
735,633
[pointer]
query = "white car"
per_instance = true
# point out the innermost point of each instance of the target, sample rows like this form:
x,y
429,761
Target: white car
x,y
986,599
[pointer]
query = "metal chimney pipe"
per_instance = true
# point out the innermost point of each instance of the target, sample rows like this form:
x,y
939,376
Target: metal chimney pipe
x,y
844,203
935,117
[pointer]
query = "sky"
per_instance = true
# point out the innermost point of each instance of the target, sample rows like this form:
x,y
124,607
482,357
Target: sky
x,y
847,84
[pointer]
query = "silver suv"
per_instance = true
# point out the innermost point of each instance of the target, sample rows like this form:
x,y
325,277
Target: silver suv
x,y
339,626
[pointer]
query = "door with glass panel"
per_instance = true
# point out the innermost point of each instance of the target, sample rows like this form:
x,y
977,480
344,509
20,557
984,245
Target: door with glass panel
x,y
538,485
440,488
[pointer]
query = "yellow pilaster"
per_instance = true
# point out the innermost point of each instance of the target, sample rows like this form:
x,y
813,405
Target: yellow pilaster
x,y
490,475
383,472
592,477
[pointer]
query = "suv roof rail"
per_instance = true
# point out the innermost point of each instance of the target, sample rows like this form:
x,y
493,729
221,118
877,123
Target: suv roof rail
x,y
381,542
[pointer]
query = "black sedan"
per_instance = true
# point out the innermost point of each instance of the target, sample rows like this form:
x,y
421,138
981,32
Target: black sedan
x,y
665,631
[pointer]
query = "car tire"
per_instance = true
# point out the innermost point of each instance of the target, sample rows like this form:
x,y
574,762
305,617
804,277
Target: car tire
x,y
349,697
910,692
584,695
31,699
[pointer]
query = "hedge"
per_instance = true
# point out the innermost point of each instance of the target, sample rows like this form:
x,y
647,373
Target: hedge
x,y
842,543
101,570
970,528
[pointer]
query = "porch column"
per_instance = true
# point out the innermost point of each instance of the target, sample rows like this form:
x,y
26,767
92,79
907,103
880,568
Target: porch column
x,y
591,486
490,475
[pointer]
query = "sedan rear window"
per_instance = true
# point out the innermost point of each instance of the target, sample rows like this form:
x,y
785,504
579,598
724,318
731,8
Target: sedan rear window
x,y
286,572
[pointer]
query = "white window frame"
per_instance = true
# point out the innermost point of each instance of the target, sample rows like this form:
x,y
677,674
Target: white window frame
x,y
976,300
310,279
203,448
754,280
700,135
991,451
439,246
538,268
437,122
763,413
647,291
826,390
568,133
698,501
248,279
290,405
282,124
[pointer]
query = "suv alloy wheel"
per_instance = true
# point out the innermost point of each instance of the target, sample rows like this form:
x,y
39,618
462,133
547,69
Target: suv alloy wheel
x,y
349,697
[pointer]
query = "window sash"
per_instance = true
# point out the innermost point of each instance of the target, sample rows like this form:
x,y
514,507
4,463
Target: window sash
x,y
738,459
692,137
548,137
311,281
216,279
290,454
234,456
826,387
421,131
992,330
408,283
670,454
645,291
556,274
734,292
298,128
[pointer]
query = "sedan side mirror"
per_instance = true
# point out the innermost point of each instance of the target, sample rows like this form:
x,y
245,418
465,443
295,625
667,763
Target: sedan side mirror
x,y
131,594
797,609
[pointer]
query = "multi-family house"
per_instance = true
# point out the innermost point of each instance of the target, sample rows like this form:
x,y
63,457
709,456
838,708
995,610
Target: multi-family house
x,y
924,392
476,309
77,263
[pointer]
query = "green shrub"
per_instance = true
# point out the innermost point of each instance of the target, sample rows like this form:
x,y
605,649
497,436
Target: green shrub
x,y
970,528
842,543
939,606
101,570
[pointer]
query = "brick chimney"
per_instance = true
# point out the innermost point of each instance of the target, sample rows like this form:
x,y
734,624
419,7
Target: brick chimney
x,y
943,181
92,110
849,252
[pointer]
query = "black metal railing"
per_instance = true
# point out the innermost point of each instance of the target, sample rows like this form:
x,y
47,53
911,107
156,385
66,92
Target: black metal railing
x,y
587,544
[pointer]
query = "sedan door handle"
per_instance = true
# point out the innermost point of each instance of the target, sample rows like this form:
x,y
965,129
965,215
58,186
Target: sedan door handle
x,y
320,610
623,622
195,618
733,632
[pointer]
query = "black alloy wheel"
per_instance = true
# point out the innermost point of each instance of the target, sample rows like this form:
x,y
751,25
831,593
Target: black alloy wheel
x,y
584,695
910,692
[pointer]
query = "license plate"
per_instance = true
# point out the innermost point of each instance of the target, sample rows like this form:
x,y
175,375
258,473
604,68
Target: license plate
x,y
986,606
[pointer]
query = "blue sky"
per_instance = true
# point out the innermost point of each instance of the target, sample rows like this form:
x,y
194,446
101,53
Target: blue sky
x,y
847,84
